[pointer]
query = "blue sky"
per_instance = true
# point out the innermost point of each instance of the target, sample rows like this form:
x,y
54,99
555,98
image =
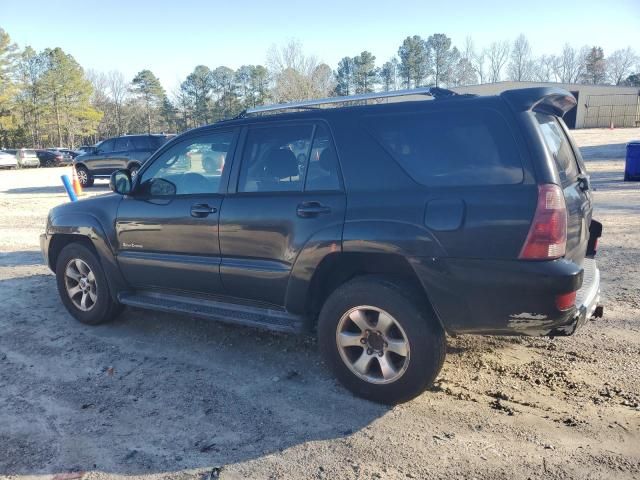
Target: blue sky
x,y
172,39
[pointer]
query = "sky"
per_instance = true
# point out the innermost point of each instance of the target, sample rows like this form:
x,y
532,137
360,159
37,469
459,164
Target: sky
x,y
172,39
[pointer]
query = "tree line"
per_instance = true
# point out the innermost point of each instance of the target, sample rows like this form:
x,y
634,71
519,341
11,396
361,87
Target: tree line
x,y
48,99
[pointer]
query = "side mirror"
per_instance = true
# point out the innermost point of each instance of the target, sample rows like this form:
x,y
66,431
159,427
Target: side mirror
x,y
120,182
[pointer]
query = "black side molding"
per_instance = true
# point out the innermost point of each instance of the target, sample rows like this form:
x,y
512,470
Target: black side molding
x,y
552,100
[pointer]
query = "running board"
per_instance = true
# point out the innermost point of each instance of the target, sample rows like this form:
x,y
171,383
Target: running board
x,y
257,317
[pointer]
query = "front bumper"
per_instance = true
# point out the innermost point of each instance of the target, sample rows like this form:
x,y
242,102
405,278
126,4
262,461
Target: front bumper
x,y
44,247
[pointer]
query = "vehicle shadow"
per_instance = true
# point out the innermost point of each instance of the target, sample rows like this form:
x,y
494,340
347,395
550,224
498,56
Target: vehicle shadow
x,y
54,189
21,258
154,393
604,152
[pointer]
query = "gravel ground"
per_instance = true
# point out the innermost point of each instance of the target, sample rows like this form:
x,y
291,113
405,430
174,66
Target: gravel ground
x,y
155,395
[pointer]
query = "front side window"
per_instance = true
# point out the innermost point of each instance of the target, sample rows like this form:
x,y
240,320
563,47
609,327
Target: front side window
x,y
106,146
451,148
194,166
559,147
122,144
274,158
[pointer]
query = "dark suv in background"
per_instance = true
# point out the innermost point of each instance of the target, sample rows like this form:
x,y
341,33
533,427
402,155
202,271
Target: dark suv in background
x,y
382,227
128,151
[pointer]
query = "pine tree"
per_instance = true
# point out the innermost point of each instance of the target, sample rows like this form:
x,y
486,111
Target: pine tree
x,y
147,88
388,75
415,62
365,73
444,58
345,77
595,68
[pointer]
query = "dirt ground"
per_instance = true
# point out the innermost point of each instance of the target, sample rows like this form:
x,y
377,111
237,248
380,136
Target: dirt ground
x,y
160,396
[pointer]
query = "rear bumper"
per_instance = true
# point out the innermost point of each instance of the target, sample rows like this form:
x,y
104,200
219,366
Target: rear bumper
x,y
500,297
30,162
587,299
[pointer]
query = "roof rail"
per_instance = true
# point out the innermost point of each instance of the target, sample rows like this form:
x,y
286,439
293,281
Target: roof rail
x,y
350,100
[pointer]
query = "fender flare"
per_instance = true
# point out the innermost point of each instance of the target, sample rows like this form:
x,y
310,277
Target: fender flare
x,y
84,225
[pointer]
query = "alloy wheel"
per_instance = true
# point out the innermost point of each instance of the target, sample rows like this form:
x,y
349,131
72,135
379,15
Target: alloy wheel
x,y
373,344
81,285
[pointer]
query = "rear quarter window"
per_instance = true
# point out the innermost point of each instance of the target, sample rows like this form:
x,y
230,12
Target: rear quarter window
x,y
451,148
559,147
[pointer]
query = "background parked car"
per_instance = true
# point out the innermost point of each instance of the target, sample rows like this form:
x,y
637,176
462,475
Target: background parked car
x,y
48,158
7,160
67,154
25,157
128,151
85,149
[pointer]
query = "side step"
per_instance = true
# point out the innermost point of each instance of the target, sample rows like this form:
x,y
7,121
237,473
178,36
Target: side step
x,y
257,317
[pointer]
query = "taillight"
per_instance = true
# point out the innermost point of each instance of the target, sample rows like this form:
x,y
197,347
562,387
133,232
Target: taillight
x,y
565,301
547,238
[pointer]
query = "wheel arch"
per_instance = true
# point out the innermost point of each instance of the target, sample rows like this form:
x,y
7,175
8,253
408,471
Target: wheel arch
x,y
84,229
338,268
132,163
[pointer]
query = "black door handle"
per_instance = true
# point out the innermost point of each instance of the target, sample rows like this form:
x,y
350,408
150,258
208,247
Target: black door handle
x,y
312,209
202,210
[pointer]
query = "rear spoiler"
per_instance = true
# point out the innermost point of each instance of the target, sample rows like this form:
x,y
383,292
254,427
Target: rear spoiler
x,y
552,100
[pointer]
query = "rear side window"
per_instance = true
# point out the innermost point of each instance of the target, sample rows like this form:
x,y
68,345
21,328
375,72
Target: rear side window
x,y
274,158
558,145
452,148
157,142
142,143
322,172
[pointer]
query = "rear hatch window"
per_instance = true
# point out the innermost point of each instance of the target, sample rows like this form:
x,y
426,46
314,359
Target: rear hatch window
x,y
450,148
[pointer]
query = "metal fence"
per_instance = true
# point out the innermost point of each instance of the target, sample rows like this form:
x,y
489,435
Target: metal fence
x,y
619,110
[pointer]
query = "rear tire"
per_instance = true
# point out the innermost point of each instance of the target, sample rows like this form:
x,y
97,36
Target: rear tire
x,y
83,286
381,339
133,170
84,177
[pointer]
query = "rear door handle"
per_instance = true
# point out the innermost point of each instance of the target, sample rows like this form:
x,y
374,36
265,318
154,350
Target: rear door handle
x,y
312,209
200,210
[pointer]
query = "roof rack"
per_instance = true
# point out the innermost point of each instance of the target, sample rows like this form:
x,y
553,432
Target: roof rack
x,y
351,100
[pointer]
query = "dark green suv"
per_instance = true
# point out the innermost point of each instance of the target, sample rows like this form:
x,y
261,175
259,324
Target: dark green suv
x,y
128,151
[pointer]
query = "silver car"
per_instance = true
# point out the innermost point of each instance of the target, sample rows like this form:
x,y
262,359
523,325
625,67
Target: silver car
x,y
25,157
8,160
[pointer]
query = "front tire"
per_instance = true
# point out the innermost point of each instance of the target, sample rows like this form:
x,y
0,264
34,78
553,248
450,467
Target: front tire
x,y
83,286
381,340
84,177
133,170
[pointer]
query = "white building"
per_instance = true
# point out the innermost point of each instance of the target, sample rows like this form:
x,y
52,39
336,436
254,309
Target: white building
x,y
598,105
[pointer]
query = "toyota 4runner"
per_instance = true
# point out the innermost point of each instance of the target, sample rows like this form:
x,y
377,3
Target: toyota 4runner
x,y
381,227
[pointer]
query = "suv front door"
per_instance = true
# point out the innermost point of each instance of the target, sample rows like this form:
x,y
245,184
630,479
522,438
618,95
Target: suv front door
x,y
285,195
101,158
119,158
168,228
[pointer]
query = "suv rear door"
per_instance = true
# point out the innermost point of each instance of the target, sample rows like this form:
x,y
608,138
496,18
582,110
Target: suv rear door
x,y
575,183
285,193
